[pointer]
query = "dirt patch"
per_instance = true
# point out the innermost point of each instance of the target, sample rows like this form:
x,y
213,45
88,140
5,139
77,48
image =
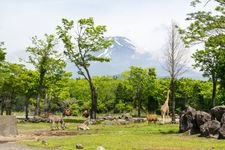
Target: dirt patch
x,y
55,133
38,134
10,142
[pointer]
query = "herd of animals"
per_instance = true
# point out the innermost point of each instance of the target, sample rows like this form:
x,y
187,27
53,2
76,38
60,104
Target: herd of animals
x,y
57,121
210,124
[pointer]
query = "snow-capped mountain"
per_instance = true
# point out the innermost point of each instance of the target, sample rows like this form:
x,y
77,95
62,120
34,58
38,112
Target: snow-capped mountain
x,y
121,45
123,54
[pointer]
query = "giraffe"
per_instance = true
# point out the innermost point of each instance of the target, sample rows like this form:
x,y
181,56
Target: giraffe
x,y
165,107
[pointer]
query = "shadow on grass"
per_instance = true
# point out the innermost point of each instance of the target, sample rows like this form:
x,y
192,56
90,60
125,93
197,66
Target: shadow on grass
x,y
168,132
73,120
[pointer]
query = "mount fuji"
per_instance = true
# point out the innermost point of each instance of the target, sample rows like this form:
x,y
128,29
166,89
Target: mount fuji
x,y
123,54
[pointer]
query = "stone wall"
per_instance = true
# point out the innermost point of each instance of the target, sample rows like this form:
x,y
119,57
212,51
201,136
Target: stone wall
x,y
8,126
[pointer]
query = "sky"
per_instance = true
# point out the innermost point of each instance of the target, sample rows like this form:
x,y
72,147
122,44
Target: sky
x,y
144,22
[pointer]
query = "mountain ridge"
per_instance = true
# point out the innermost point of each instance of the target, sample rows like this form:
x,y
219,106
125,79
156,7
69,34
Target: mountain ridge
x,y
123,54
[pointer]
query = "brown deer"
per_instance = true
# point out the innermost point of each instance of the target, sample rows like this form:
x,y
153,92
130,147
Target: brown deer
x,y
152,118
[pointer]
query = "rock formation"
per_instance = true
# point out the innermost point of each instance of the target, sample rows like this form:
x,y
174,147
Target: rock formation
x,y
207,124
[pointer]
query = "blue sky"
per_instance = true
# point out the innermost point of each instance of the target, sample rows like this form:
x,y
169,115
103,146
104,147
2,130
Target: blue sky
x,y
142,21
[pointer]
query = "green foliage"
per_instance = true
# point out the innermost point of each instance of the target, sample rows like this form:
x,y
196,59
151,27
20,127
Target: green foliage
x,y
2,51
193,93
81,49
76,109
105,86
208,27
48,63
141,80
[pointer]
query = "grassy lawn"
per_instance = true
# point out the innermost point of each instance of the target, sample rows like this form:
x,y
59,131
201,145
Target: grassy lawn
x,y
126,137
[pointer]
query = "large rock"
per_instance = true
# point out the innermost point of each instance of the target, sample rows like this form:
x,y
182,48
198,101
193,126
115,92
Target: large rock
x,y
109,122
121,122
210,129
202,117
222,132
127,117
187,121
217,112
8,126
222,128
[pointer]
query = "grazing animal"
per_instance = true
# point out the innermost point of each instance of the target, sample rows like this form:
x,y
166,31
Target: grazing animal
x,y
165,107
67,112
45,114
85,114
56,120
82,127
152,118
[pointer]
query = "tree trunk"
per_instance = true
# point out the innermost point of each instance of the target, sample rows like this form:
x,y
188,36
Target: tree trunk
x,y
2,106
214,92
27,109
139,104
173,100
37,108
46,103
94,97
8,106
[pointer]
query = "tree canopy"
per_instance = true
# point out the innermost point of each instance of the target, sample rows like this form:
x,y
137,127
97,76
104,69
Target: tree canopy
x,y
81,49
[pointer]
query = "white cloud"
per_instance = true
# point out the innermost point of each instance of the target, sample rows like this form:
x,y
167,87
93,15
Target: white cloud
x,y
142,21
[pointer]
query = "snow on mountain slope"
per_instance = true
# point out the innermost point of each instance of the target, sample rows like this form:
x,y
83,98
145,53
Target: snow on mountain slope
x,y
123,54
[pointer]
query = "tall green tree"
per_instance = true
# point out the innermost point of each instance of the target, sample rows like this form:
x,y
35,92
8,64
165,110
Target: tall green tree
x,y
207,61
57,91
46,60
28,83
10,88
82,47
207,27
140,79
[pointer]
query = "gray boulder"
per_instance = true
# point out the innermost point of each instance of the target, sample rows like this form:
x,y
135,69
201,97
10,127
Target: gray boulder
x,y
222,128
109,122
79,146
217,112
202,117
222,121
109,118
121,122
210,129
188,122
127,117
222,132
139,120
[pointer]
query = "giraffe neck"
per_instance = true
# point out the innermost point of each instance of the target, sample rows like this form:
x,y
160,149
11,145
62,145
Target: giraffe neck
x,y
167,97
166,102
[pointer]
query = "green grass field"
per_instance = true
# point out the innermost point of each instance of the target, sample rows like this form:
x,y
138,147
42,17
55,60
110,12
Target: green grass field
x,y
125,137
